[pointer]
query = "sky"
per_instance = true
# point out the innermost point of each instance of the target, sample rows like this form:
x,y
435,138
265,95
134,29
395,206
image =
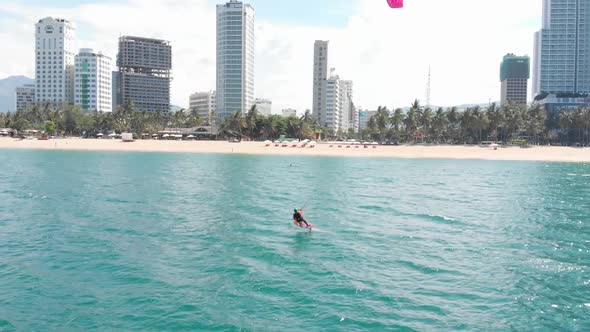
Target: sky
x,y
386,52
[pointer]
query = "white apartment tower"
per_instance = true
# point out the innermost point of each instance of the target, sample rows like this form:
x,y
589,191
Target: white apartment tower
x,y
54,61
235,58
263,106
204,103
287,112
332,107
339,111
320,74
93,81
25,97
347,112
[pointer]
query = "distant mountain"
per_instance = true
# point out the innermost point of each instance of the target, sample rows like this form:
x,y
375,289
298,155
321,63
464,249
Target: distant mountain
x,y
481,105
7,91
459,107
174,108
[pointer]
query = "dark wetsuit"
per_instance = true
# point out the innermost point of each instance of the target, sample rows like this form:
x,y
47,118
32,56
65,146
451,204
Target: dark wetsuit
x,y
299,218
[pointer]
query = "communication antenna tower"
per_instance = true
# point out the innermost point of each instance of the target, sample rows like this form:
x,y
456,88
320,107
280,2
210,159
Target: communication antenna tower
x,y
428,89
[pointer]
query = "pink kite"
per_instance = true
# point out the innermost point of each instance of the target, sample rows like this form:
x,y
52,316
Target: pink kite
x,y
396,3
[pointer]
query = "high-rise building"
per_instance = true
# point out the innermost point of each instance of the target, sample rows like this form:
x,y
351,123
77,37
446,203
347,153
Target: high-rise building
x,y
205,104
358,109
235,58
364,117
144,67
25,96
93,81
263,106
320,74
562,48
338,108
116,89
354,119
346,121
54,61
331,95
514,76
286,112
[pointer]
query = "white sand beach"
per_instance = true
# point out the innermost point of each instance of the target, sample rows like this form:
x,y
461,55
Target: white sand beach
x,y
536,153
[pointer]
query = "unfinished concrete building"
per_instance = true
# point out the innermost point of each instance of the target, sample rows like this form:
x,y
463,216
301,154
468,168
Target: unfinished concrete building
x,y
144,73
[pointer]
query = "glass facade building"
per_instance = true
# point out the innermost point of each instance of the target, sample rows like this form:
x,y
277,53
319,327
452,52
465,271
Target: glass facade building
x,y
235,58
562,48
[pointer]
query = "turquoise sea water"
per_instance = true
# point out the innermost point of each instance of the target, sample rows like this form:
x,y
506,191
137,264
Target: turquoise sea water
x,y
154,242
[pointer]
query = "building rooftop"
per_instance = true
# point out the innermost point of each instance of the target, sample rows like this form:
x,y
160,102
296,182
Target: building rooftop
x,y
515,67
144,39
234,4
61,20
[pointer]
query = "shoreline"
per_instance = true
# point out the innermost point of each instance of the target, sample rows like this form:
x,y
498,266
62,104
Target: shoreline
x,y
456,152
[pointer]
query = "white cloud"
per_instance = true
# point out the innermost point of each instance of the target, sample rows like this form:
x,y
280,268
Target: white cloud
x,y
386,52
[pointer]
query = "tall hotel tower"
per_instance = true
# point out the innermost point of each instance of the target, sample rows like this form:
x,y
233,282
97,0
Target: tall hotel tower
x,y
562,48
235,58
54,61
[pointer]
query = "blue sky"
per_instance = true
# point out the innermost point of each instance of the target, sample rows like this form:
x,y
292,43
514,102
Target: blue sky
x,y
309,12
385,52
332,13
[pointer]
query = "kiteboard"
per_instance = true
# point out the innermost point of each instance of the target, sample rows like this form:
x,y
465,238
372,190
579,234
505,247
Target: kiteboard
x,y
302,225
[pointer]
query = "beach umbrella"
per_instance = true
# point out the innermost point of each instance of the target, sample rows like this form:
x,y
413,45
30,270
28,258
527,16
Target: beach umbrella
x,y
99,134
165,135
112,135
267,141
374,143
190,136
154,135
494,145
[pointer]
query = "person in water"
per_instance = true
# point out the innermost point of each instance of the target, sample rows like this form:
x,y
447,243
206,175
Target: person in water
x,y
298,217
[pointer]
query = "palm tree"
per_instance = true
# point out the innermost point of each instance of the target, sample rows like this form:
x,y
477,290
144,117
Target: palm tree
x,y
454,120
194,119
235,122
4,120
536,118
250,119
586,125
467,124
179,119
440,123
294,127
496,118
566,123
308,125
481,122
514,119
382,121
270,126
123,117
424,120
397,120
372,127
411,124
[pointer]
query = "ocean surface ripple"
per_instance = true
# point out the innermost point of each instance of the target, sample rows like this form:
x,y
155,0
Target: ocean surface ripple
x,y
172,242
